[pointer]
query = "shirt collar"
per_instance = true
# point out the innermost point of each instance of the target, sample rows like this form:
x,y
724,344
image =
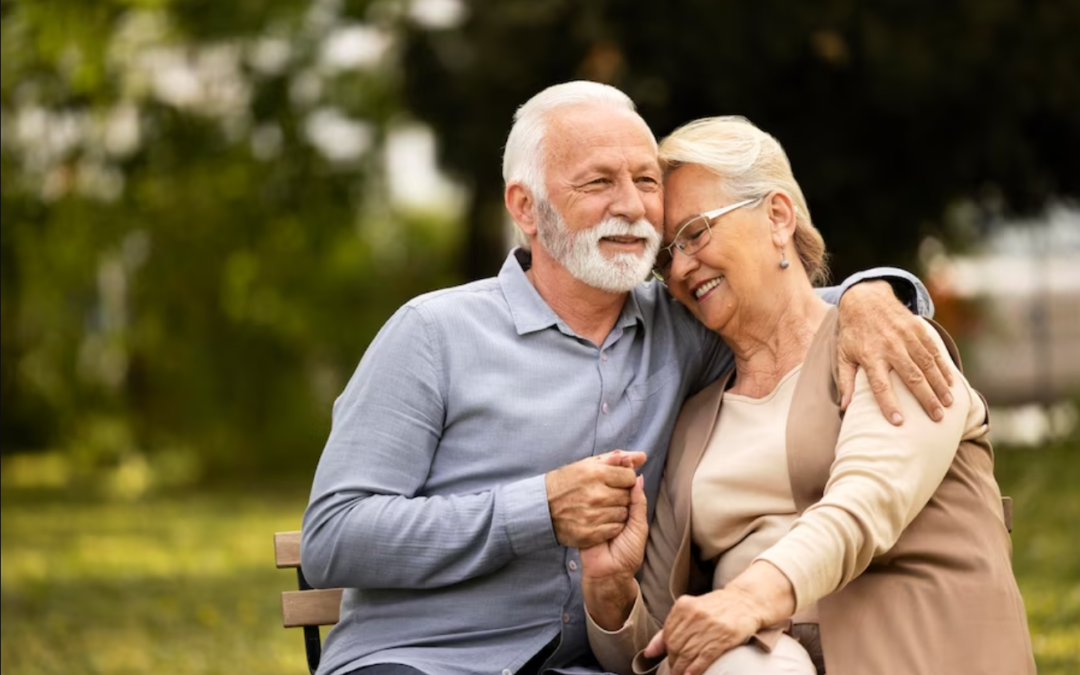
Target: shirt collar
x,y
529,310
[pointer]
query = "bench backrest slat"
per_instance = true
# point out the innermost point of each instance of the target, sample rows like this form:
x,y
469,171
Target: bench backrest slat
x,y
287,549
310,608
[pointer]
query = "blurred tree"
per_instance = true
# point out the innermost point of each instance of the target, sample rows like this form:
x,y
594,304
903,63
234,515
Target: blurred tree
x,y
197,237
890,111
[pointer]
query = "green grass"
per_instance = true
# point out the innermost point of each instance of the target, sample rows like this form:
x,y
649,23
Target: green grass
x,y
185,585
170,585
1045,487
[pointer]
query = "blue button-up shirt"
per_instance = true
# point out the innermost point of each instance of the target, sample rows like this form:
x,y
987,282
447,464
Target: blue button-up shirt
x,y
429,502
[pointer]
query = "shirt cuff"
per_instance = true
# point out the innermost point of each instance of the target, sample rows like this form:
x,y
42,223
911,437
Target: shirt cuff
x,y
527,516
907,287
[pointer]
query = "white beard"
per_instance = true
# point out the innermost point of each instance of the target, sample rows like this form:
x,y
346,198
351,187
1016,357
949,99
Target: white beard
x,y
580,254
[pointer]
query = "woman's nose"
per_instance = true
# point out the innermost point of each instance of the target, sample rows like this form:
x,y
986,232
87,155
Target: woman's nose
x,y
682,265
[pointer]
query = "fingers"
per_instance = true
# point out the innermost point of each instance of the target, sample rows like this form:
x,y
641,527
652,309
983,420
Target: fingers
x,y
846,381
918,368
937,367
638,500
618,477
630,460
656,646
597,534
881,386
590,500
638,512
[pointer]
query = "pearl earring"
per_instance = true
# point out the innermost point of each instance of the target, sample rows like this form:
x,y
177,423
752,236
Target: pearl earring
x,y
784,264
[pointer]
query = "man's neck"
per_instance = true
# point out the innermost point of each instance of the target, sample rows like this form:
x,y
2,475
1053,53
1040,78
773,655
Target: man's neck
x,y
588,311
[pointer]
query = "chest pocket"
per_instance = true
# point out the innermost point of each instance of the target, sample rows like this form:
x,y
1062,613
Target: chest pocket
x,y
654,384
655,396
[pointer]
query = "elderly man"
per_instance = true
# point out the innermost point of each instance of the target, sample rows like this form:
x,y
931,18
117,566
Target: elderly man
x,y
494,428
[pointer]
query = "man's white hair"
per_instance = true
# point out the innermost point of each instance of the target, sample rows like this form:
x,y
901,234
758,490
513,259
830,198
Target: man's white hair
x,y
523,159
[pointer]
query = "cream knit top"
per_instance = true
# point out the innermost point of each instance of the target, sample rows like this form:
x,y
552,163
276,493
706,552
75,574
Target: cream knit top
x,y
882,477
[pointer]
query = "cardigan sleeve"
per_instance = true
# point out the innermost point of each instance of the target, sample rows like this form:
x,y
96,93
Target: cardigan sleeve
x,y
881,479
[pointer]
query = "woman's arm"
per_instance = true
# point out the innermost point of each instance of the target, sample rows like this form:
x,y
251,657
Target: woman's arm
x,y
621,613
881,479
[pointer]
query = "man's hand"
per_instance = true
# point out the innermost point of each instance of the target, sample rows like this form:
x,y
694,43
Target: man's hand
x,y
879,334
608,569
589,500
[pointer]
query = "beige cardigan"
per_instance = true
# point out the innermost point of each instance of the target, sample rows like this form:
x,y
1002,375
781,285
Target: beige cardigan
x,y
942,600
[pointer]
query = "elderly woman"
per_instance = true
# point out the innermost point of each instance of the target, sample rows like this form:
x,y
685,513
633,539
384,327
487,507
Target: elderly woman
x,y
782,518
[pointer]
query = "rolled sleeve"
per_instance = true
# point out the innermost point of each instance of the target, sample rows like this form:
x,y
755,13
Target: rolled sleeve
x,y
907,287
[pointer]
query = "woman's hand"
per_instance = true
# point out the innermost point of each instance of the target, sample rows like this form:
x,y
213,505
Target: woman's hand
x,y
700,629
608,569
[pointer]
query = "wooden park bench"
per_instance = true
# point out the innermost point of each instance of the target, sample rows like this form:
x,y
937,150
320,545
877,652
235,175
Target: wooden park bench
x,y
307,608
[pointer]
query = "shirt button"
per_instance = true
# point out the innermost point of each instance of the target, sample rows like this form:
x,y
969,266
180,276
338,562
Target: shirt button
x,y
572,565
604,407
603,356
566,618
507,671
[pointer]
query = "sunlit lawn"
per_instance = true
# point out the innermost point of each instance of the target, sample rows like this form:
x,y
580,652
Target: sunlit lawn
x,y
184,585
173,586
1045,486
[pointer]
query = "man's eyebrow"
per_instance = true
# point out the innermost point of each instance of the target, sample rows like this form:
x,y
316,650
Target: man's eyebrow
x,y
597,169
652,166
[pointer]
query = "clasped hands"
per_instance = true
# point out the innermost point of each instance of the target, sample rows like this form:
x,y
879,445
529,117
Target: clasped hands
x,y
699,628
590,499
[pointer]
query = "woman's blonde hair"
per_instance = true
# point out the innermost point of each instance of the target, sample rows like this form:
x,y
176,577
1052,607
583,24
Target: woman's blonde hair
x,y
752,164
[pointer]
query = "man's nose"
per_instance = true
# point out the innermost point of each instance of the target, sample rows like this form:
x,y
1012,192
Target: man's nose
x,y
629,203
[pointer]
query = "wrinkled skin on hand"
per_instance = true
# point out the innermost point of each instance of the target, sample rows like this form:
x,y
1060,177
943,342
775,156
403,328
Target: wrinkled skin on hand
x,y
879,334
589,500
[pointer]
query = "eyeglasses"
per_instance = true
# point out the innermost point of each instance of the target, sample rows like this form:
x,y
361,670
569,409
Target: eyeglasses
x,y
692,236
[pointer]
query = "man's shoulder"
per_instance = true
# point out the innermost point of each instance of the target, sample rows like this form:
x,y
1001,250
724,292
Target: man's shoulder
x,y
482,297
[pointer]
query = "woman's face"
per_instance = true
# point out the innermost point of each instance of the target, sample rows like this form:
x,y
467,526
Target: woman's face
x,y
731,270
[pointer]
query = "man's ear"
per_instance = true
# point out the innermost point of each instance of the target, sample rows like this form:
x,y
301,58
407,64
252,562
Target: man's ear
x,y
522,208
781,212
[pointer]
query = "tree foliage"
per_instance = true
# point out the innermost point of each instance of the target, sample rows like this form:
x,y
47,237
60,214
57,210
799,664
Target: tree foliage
x,y
197,239
197,242
893,113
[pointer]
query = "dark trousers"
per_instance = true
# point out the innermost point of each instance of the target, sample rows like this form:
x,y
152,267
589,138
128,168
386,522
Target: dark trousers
x,y
387,669
530,668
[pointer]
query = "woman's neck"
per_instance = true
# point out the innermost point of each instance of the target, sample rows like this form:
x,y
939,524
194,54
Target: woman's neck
x,y
773,339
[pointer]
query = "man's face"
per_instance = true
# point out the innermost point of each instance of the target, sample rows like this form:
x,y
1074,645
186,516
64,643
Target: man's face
x,y
604,181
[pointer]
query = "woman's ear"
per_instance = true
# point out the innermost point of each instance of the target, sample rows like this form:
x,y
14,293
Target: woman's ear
x,y
522,208
781,213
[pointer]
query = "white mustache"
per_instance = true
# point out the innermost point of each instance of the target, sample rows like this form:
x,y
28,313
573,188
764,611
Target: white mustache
x,y
614,227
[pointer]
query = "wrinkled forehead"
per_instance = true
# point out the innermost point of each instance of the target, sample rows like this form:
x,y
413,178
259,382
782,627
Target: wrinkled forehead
x,y
689,190
577,134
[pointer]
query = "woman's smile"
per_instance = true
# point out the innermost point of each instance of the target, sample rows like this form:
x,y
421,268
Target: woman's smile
x,y
706,288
